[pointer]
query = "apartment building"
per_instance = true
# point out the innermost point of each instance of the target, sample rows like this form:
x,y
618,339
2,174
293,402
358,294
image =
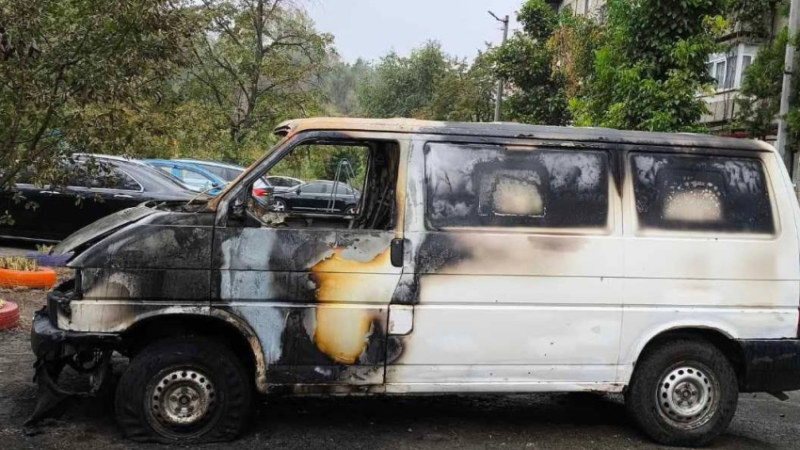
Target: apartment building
x,y
592,8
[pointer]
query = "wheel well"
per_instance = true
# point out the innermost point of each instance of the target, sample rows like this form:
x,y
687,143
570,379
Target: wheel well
x,y
158,328
723,343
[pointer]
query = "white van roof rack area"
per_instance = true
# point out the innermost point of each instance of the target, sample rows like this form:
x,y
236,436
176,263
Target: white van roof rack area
x,y
523,131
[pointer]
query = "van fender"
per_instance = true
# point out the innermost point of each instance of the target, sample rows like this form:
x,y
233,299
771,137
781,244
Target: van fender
x,y
255,345
628,359
120,317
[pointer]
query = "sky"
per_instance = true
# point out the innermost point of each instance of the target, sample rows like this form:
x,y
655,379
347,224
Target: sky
x,y
371,28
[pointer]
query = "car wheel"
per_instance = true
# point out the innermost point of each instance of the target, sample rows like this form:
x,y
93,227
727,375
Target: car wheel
x,y
683,393
279,205
183,390
350,210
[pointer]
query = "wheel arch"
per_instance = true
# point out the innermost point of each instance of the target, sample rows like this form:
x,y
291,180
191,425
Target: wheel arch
x,y
222,325
720,338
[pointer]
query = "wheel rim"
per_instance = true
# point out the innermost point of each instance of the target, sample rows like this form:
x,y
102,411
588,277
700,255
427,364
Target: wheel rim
x,y
688,395
181,398
278,206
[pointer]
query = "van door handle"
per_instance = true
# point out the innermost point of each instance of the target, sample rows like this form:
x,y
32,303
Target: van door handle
x,y
397,251
50,192
122,196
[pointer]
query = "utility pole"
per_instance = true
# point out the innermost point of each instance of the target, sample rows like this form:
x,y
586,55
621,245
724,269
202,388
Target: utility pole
x,y
498,104
794,21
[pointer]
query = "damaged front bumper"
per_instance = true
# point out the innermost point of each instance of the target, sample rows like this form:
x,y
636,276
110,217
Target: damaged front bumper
x,y
55,349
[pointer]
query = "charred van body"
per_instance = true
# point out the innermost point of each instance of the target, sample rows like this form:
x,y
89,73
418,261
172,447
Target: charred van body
x,y
481,258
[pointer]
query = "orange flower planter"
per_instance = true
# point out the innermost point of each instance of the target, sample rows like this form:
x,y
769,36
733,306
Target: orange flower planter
x,y
40,279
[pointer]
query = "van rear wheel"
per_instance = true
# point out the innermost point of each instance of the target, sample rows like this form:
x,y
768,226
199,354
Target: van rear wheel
x,y
183,391
683,393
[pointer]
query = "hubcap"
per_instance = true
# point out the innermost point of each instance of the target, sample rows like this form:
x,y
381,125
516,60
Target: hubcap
x,y
181,398
278,207
688,396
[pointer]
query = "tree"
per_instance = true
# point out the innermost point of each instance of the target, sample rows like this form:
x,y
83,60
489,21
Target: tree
x,y
340,83
403,86
428,84
537,90
464,94
754,18
652,65
759,100
74,72
257,66
573,45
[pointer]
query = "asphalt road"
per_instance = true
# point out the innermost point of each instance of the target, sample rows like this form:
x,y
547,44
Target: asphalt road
x,y
551,421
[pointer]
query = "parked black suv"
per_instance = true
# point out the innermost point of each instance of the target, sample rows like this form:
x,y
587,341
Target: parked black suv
x,y
318,196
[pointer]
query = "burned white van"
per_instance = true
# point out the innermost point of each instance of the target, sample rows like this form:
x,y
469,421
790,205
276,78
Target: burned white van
x,y
425,257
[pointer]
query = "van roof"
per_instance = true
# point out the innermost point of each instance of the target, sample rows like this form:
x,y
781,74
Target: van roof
x,y
522,131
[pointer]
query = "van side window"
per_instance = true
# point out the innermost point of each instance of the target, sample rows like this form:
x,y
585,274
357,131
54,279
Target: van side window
x,y
348,185
480,186
701,193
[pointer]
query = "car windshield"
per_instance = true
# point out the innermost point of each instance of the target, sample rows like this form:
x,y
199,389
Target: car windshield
x,y
158,173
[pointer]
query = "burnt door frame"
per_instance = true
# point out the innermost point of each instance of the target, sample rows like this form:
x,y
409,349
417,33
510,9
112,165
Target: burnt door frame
x,y
316,299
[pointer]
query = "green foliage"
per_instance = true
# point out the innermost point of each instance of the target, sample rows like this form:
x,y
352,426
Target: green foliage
x,y
464,94
573,45
537,90
151,78
758,105
254,68
324,162
754,17
81,71
759,102
340,82
403,86
652,65
428,84
538,20
19,263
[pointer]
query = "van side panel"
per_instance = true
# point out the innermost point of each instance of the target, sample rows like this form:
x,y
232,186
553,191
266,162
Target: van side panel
x,y
745,286
508,309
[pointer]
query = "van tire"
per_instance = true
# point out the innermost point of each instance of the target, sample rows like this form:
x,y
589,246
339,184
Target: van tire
x,y
664,415
218,407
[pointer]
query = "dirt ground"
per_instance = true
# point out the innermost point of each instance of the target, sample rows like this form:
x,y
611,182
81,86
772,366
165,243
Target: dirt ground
x,y
552,421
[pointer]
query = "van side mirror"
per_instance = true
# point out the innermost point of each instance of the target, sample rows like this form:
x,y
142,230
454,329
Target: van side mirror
x,y
238,208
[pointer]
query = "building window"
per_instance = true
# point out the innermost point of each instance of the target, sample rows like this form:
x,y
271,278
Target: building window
x,y
730,72
480,186
717,71
747,60
727,70
701,193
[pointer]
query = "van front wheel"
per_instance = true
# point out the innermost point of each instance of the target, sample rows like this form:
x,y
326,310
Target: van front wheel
x,y
183,391
683,393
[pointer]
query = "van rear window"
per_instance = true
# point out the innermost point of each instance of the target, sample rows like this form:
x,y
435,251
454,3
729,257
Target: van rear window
x,y
480,186
701,193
